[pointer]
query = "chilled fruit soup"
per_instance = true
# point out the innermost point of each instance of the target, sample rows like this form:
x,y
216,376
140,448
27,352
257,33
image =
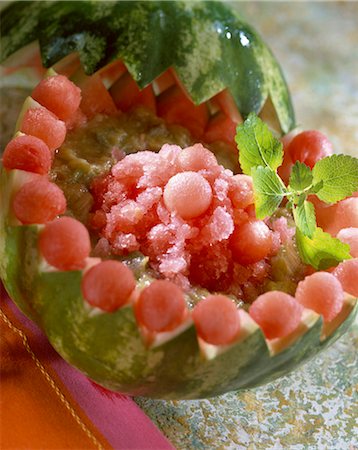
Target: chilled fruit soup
x,y
192,217
144,187
135,188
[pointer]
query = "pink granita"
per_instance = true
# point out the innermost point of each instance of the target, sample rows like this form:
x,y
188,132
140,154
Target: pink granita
x,y
285,232
181,208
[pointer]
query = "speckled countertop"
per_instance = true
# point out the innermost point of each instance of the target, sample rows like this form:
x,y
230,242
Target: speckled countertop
x,y
315,407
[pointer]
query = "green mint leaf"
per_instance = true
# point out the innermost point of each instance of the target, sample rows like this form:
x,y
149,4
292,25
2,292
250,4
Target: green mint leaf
x,y
316,187
305,218
268,191
257,145
322,250
301,198
339,174
301,177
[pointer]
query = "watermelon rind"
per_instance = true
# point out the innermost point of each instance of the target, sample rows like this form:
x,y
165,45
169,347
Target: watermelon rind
x,y
208,44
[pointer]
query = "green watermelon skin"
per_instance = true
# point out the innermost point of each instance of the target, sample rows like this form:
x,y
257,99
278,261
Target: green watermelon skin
x,y
208,44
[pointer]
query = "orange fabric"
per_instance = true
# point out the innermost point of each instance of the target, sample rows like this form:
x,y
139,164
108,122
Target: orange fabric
x,y
37,411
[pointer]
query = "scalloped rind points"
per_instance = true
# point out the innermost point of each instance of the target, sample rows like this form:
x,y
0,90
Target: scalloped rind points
x,y
208,55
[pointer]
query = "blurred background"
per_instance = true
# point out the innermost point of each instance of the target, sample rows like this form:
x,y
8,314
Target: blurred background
x,y
316,44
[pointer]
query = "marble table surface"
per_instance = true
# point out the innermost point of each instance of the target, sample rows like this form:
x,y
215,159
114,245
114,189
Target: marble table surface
x,y
316,406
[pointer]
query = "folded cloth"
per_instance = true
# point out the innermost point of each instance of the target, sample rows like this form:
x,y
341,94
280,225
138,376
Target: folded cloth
x,y
47,404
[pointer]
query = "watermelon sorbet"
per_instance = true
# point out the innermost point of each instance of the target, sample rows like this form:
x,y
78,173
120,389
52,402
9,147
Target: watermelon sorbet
x,y
193,219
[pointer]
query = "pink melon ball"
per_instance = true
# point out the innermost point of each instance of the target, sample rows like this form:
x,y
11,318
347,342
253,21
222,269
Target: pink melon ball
x,y
196,158
350,236
345,216
277,313
65,243
347,273
59,95
324,212
321,292
38,201
251,242
217,320
41,123
188,193
242,192
27,153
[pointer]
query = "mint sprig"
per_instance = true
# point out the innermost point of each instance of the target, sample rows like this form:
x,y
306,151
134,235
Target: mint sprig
x,y
259,146
301,177
339,175
332,179
305,218
269,191
322,250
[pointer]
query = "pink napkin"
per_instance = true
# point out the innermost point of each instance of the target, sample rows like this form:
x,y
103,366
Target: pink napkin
x,y
116,417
